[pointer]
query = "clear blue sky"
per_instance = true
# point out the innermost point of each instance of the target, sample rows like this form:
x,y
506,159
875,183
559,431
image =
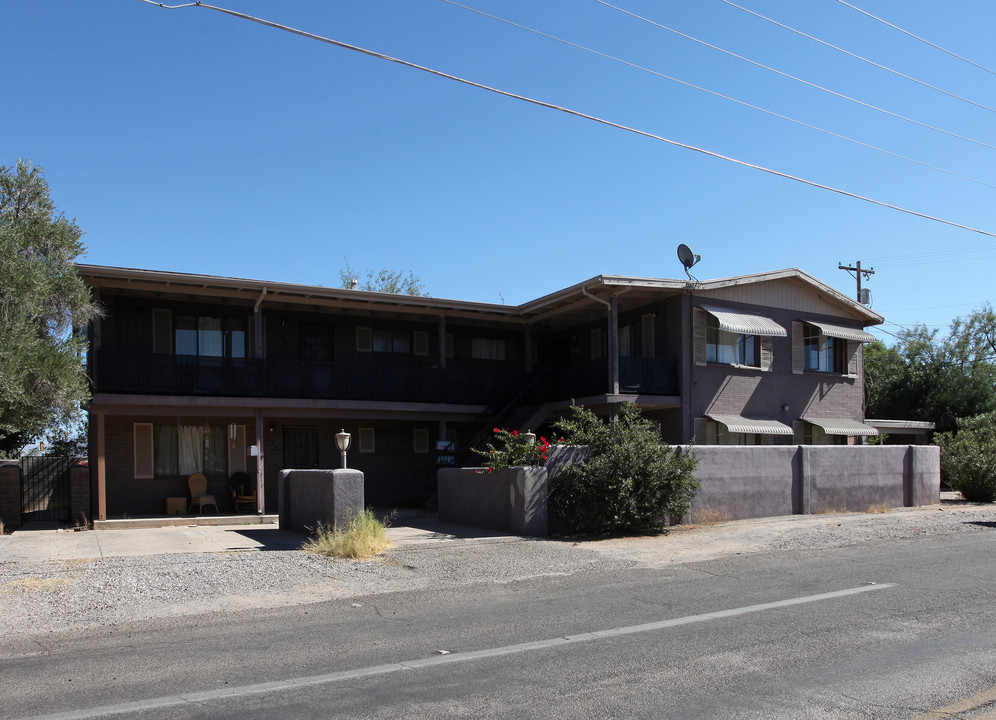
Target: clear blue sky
x,y
190,141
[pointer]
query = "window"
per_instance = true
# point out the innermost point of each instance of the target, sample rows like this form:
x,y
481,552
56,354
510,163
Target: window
x,y
206,336
717,434
300,447
420,440
181,450
421,342
626,340
822,353
367,440
815,435
647,323
727,348
383,341
364,339
597,346
487,349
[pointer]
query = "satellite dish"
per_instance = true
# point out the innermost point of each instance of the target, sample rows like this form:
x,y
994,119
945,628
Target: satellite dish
x,y
687,258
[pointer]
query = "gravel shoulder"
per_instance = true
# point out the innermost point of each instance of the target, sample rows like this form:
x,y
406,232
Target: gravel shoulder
x,y
40,597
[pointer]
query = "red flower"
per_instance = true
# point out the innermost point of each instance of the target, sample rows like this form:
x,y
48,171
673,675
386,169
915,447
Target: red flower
x,y
497,430
515,433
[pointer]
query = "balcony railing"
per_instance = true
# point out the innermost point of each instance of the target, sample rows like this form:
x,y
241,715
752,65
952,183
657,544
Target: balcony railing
x,y
647,376
191,375
388,381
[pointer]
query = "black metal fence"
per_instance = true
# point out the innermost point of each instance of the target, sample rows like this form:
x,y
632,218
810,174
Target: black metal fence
x,y
46,488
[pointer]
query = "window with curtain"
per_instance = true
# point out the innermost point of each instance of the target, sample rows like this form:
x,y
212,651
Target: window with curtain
x,y
182,450
487,349
727,348
822,353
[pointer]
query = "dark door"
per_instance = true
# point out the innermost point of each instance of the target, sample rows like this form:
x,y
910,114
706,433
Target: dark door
x,y
300,447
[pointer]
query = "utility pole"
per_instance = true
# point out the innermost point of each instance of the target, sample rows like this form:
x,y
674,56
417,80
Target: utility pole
x,y
857,271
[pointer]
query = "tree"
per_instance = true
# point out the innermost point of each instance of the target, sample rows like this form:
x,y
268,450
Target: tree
x,y
44,309
383,281
941,380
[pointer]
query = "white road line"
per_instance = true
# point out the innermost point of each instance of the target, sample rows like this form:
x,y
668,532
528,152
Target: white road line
x,y
456,657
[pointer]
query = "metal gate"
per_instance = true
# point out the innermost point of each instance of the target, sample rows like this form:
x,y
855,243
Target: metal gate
x,y
46,488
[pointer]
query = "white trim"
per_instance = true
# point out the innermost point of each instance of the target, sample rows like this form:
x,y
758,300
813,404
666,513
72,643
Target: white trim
x,y
752,425
834,426
745,323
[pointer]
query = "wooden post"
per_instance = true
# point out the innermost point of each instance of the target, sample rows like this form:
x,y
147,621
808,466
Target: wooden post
x,y
614,345
260,475
99,441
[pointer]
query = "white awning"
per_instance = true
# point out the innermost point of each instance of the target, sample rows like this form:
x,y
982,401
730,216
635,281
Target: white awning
x,y
743,323
844,333
752,426
833,426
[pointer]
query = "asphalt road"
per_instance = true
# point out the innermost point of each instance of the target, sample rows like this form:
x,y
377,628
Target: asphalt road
x,y
890,629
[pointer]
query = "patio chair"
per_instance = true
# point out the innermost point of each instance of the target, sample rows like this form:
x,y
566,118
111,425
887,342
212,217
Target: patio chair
x,y
198,493
243,493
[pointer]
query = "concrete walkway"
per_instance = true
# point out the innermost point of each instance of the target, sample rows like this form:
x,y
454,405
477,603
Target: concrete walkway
x,y
46,542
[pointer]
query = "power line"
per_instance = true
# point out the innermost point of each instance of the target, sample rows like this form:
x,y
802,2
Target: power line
x,y
859,57
568,111
796,78
917,37
718,94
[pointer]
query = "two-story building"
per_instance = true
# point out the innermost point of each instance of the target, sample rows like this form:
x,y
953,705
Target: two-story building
x,y
214,375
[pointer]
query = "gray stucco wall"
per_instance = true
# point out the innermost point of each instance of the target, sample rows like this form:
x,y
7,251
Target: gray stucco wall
x,y
512,500
310,497
743,482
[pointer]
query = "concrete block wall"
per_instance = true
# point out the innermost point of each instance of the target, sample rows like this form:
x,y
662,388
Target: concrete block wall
x,y
80,510
10,495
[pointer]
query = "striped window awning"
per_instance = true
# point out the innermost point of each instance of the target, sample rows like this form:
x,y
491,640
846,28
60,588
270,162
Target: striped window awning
x,y
843,333
833,426
743,323
752,425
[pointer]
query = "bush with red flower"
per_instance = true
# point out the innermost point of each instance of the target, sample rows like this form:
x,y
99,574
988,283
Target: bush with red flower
x,y
509,448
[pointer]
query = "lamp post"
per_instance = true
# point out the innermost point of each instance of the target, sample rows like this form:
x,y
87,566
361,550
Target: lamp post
x,y
342,440
529,437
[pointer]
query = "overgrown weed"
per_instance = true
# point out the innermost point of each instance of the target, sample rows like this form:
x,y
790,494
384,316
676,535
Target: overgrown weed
x,y
363,538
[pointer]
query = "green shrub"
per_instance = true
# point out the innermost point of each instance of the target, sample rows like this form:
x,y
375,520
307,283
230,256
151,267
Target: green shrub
x,y
363,538
632,482
968,457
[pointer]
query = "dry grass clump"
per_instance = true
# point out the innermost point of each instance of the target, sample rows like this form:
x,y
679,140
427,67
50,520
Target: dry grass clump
x,y
365,537
879,508
710,516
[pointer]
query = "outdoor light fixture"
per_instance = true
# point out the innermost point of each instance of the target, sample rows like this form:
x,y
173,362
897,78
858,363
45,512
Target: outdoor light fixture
x,y
529,436
785,407
342,440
